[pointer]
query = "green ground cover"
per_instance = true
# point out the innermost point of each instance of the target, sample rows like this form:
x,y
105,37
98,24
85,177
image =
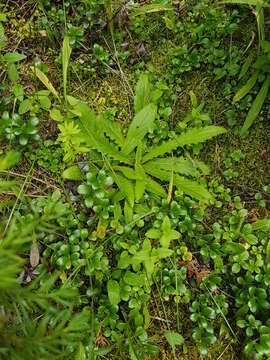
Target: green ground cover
x,y
134,179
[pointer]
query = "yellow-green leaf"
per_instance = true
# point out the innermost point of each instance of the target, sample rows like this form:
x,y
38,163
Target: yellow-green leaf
x,y
66,52
46,82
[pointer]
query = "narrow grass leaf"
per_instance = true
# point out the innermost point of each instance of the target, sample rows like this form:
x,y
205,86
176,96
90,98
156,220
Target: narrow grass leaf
x,y
256,106
46,82
245,67
246,88
66,52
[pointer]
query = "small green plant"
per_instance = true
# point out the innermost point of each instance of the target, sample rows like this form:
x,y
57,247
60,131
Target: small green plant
x,y
48,156
233,159
97,193
259,13
260,72
134,179
147,160
14,127
260,66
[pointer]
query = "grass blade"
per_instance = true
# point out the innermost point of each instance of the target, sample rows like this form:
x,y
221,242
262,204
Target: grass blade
x,y
246,88
46,82
256,106
245,67
66,52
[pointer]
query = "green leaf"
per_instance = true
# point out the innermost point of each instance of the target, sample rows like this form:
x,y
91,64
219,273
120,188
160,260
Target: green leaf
x,y
187,186
168,22
125,186
236,268
124,260
134,279
140,125
25,106
196,136
140,186
13,57
261,225
207,311
151,8
112,129
45,102
143,95
178,165
246,88
153,234
245,67
193,99
251,239
174,338
73,173
127,172
3,17
81,354
18,92
146,315
268,252
113,292
241,323
13,73
246,2
56,115
154,187
201,166
162,252
10,159
128,212
93,136
256,106
233,248
192,188
3,38
139,170
166,225
190,137
46,82
66,52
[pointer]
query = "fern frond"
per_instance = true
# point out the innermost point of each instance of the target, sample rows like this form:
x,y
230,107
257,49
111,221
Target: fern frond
x,y
190,137
125,186
177,165
189,187
94,137
128,172
154,187
192,188
112,129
